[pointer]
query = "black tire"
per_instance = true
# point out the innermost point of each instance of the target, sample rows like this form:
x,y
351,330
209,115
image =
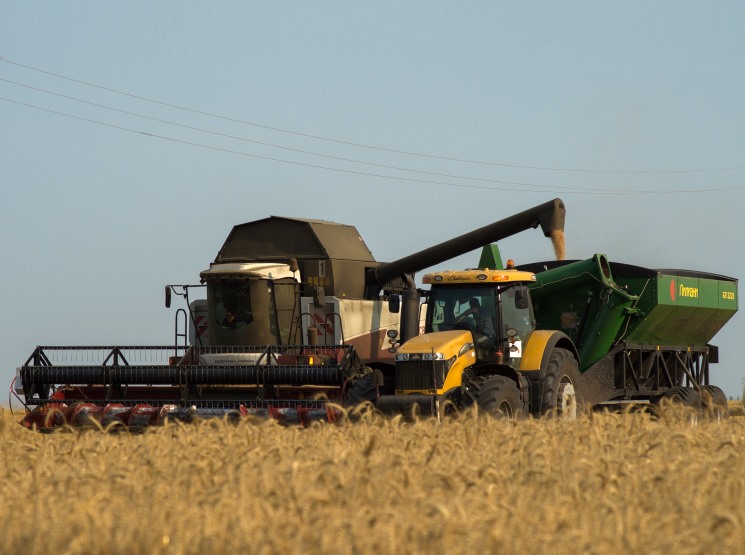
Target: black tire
x,y
560,389
388,385
714,402
494,395
360,391
686,396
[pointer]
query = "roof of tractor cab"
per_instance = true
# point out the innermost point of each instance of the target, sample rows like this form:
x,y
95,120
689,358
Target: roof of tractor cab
x,y
279,238
477,276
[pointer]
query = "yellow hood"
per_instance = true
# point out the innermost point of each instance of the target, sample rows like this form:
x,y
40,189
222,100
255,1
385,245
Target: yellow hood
x,y
446,342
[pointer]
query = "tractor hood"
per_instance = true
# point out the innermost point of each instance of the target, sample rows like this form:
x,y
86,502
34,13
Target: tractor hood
x,y
441,345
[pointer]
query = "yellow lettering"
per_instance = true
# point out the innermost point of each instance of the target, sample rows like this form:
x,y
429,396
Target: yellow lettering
x,y
688,291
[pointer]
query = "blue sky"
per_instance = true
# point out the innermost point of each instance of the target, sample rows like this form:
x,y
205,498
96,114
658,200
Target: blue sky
x,y
633,110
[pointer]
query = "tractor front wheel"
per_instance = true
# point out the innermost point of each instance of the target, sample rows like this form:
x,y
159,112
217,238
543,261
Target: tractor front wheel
x,y
494,395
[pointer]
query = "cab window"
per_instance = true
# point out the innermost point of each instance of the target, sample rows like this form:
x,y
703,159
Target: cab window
x,y
517,311
232,304
449,304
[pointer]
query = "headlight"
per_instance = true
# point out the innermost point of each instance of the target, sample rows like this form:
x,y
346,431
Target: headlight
x,y
402,356
433,356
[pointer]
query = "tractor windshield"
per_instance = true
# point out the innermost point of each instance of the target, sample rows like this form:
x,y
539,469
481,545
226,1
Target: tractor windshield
x,y
497,316
458,307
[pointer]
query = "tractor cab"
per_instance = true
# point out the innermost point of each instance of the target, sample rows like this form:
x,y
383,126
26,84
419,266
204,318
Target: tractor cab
x,y
494,305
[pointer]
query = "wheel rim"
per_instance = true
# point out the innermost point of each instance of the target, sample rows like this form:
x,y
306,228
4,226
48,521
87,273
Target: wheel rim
x,y
566,403
505,409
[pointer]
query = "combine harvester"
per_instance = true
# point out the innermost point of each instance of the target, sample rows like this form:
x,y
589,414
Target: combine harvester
x,y
296,313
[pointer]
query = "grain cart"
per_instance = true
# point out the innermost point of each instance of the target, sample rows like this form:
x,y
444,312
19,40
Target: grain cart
x,y
295,312
554,336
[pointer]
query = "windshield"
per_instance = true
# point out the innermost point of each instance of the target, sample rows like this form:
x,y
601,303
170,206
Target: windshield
x,y
474,307
252,312
451,306
232,304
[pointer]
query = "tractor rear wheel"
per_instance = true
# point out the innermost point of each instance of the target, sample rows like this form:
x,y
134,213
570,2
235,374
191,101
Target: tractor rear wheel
x,y
714,402
497,396
560,389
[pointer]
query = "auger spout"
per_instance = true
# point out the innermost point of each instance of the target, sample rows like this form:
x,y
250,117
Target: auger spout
x,y
549,216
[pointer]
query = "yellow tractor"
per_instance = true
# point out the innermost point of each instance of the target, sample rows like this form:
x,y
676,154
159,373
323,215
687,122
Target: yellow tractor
x,y
481,347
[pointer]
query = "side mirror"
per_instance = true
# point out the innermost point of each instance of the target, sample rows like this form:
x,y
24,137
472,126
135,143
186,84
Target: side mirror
x,y
521,298
168,296
394,304
319,297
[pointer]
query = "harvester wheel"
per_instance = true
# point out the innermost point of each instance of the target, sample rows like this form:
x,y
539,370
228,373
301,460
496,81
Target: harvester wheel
x,y
714,402
560,388
360,391
494,395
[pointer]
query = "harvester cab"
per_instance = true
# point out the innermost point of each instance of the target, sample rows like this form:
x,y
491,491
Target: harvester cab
x,y
252,304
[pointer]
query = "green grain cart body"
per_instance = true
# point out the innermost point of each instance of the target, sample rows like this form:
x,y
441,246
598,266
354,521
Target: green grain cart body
x,y
600,304
679,307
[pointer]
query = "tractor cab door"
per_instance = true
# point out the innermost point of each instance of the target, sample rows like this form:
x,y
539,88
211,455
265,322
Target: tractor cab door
x,y
517,322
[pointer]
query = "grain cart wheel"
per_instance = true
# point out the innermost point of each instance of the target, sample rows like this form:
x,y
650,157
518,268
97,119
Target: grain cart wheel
x,y
686,396
360,391
494,395
560,387
714,402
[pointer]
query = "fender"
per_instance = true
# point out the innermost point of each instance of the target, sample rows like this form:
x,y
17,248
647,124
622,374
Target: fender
x,y
454,378
538,350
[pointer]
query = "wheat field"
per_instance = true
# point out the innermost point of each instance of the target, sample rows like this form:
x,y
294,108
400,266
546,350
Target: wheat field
x,y
605,483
